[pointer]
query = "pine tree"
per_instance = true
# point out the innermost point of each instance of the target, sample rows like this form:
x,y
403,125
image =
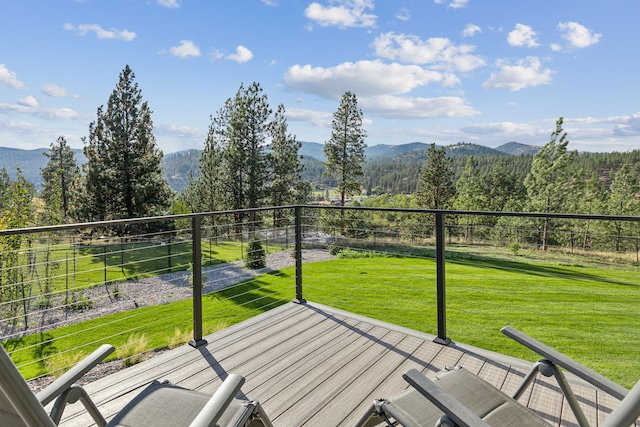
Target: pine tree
x,y
18,213
622,202
123,173
5,189
205,194
285,165
59,176
469,194
345,149
547,182
243,128
435,186
500,188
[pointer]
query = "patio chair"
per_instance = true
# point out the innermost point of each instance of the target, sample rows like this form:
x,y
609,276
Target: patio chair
x,y
158,404
455,397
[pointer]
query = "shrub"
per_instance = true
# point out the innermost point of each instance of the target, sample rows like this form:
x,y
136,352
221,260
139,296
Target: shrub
x,y
58,364
79,301
334,249
255,254
515,248
132,352
352,253
180,337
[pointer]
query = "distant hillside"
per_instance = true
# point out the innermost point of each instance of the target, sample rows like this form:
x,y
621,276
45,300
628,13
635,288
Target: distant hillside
x,y
516,149
382,159
178,165
30,162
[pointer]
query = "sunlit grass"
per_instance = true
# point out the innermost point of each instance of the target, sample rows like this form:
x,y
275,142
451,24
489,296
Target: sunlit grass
x,y
588,313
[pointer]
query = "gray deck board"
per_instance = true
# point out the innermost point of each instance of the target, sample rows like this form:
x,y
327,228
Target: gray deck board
x,y
315,366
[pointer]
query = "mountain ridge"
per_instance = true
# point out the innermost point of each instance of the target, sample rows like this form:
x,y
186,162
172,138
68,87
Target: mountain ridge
x,y
178,165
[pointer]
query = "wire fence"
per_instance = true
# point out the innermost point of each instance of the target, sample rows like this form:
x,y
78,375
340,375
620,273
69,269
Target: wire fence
x,y
66,289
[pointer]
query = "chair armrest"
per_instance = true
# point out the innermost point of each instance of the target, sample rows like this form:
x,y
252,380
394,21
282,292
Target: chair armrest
x,y
459,413
67,379
213,409
581,371
628,412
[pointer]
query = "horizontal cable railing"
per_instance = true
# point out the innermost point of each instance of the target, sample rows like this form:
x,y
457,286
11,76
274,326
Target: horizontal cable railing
x,y
145,285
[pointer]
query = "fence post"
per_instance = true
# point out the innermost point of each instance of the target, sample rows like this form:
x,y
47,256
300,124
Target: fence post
x,y
440,282
196,233
298,250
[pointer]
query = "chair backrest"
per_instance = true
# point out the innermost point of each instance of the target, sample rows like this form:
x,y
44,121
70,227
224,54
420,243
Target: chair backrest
x,y
18,405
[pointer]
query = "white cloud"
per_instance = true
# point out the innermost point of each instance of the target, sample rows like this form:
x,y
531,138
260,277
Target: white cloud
x,y
30,106
471,30
315,118
578,35
403,14
28,101
525,73
439,52
272,3
185,49
364,78
100,32
401,107
180,131
242,55
504,129
454,4
8,77
56,91
171,4
342,13
522,35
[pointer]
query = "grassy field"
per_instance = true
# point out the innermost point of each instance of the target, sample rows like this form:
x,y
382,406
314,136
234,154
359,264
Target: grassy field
x,y
588,313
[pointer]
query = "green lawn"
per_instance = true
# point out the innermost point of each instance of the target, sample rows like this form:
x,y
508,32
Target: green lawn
x,y
590,314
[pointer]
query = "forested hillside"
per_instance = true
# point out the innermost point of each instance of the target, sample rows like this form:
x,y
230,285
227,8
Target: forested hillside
x,y
390,169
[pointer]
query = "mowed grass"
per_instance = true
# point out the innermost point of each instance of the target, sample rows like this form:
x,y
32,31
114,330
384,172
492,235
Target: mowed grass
x,y
81,266
589,314
157,326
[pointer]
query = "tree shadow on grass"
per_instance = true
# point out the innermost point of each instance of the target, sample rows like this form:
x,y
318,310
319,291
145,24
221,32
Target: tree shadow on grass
x,y
474,260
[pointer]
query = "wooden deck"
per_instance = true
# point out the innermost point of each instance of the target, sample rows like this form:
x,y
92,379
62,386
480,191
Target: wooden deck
x,y
311,365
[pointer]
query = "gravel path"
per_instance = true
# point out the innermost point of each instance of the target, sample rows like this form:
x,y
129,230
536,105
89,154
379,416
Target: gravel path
x,y
161,289
157,290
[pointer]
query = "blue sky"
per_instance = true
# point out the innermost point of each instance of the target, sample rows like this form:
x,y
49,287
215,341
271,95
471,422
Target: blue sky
x,y
443,71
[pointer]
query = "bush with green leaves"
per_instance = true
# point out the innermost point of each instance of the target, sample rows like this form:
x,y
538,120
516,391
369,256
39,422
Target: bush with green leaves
x,y
255,255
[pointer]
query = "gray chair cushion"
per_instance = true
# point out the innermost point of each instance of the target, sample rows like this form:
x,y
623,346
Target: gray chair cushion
x,y
170,405
410,408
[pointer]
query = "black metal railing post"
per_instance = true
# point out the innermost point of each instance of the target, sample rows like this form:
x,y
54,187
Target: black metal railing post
x,y
441,294
298,250
196,233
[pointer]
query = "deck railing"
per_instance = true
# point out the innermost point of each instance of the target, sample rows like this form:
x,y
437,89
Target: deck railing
x,y
60,276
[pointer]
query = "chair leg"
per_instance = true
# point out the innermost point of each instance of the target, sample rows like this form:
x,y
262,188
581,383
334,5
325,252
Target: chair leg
x,y
72,395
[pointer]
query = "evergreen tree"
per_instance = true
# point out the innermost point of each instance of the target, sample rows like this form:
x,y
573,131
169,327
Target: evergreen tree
x,y
5,189
435,185
547,182
59,176
499,188
592,202
243,128
18,213
123,173
622,202
469,195
285,165
205,194
345,149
